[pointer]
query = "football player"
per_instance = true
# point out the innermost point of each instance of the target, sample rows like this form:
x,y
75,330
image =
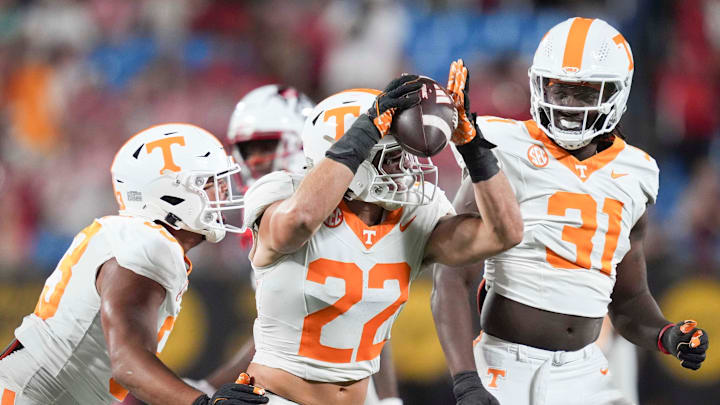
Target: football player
x,y
264,135
583,192
264,131
334,252
110,305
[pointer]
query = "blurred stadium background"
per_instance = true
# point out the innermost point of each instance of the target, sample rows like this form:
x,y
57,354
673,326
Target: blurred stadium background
x,y
79,77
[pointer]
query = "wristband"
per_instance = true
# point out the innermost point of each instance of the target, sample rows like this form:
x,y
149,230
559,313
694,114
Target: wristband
x,y
354,147
479,160
659,339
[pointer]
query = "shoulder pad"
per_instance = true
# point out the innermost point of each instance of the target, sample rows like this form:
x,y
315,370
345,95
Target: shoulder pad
x,y
648,169
272,187
147,249
497,130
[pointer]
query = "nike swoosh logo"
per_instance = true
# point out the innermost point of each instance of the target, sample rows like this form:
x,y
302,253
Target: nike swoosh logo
x,y
617,175
604,371
404,227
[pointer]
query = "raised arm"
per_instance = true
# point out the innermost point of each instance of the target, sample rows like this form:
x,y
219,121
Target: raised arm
x,y
129,308
465,239
289,224
468,238
637,317
452,288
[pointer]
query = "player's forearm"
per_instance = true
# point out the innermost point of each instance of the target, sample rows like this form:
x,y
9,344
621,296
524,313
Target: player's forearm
x,y
229,371
638,319
453,318
499,210
149,380
297,218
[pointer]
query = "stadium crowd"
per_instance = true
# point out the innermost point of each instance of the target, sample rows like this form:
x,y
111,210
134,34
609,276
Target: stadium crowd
x,y
79,77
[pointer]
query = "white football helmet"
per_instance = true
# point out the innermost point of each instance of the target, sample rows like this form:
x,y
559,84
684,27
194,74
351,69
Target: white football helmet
x,y
161,173
389,177
269,113
585,52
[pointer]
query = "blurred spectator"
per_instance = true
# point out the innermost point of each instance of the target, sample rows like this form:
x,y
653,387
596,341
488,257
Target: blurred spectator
x,y
695,226
78,77
689,81
367,40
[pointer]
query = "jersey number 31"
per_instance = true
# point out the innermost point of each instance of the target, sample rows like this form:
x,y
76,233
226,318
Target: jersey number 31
x,y
581,237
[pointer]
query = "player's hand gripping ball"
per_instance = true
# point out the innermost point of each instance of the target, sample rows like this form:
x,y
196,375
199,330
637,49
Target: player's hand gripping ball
x,y
686,342
426,128
399,95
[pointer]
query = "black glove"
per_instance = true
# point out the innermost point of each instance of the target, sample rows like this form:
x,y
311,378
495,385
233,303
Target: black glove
x,y
234,394
468,390
401,94
686,342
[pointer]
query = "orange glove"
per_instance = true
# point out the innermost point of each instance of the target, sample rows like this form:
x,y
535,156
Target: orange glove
x,y
245,379
458,86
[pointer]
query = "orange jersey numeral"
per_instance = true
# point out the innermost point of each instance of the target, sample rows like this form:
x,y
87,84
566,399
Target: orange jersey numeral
x,y
378,274
319,271
52,293
581,237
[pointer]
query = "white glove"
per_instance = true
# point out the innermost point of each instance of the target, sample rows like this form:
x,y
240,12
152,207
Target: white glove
x,y
201,385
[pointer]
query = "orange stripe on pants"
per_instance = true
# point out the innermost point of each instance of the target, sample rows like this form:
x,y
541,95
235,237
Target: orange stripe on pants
x,y
8,397
575,45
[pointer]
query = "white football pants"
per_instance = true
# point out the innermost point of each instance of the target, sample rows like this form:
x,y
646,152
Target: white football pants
x,y
24,382
278,400
522,375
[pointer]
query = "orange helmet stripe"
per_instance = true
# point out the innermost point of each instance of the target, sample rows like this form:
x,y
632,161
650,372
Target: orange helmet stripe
x,y
374,92
575,45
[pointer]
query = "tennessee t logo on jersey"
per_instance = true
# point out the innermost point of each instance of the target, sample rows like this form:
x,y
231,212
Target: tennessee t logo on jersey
x,y
581,170
165,147
369,235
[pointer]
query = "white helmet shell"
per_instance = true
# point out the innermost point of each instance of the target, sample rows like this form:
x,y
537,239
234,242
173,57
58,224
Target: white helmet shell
x,y
329,121
270,112
582,50
161,172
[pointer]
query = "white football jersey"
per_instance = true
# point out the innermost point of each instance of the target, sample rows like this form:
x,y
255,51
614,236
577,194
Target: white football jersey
x,y
577,216
65,334
326,310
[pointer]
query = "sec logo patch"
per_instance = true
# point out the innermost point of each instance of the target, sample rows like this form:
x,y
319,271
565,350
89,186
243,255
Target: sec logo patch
x,y
334,219
537,156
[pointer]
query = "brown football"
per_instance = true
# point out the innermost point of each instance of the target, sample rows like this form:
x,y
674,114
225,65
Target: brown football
x,y
425,129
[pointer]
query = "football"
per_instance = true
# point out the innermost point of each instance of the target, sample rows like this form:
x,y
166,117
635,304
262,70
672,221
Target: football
x,y
425,129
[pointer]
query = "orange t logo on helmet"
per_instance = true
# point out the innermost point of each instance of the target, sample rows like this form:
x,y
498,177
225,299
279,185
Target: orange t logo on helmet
x,y
339,114
164,145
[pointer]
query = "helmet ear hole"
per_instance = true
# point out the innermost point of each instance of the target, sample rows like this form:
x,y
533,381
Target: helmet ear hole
x,y
172,200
